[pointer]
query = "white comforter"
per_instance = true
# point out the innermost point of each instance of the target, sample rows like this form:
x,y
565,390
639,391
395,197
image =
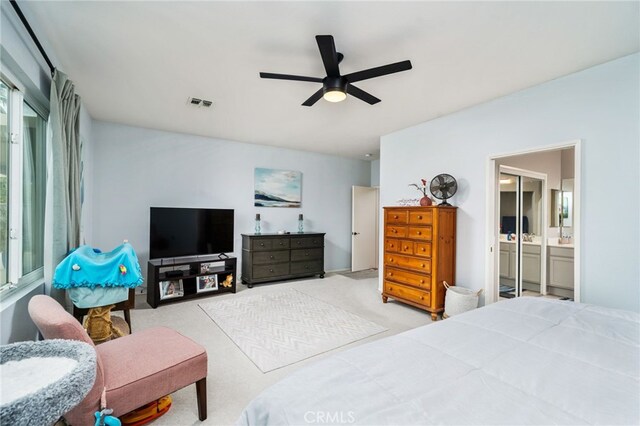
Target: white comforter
x,y
521,361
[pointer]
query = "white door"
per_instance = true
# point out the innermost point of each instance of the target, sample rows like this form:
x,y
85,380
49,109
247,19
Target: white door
x,y
364,228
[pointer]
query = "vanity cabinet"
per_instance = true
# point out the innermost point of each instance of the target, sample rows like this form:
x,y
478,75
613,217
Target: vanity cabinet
x,y
560,280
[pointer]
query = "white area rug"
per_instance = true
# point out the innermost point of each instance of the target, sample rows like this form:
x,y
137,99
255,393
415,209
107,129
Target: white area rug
x,y
286,326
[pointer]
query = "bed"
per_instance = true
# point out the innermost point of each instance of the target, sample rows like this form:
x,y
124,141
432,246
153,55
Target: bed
x,y
520,361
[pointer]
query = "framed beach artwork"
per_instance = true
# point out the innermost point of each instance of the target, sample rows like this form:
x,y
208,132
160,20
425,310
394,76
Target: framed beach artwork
x,y
277,188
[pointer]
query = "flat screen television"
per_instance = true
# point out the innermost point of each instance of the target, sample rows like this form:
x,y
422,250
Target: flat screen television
x,y
176,232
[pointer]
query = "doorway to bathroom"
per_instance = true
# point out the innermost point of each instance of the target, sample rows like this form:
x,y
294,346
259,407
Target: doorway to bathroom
x,y
533,224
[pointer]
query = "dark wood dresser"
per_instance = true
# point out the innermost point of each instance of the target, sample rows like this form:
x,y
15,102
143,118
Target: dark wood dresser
x,y
419,254
275,257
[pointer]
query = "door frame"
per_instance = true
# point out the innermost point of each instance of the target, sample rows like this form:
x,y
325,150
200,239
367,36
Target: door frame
x,y
514,171
492,174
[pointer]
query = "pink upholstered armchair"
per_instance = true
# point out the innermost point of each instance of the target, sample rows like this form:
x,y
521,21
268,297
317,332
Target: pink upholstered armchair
x,y
135,369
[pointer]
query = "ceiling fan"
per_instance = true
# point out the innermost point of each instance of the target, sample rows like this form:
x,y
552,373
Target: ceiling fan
x,y
335,87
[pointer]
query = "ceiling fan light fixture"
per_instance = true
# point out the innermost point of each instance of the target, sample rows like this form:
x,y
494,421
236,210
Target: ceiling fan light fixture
x,y
334,95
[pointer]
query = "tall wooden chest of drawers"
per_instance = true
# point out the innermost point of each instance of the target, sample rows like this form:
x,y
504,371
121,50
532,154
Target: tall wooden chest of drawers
x,y
419,255
274,257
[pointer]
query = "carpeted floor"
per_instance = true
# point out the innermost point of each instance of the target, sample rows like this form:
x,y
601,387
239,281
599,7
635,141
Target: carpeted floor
x,y
233,379
361,275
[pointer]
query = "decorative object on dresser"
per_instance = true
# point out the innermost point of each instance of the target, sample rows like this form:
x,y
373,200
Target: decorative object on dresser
x,y
189,277
443,187
424,201
419,255
275,257
257,228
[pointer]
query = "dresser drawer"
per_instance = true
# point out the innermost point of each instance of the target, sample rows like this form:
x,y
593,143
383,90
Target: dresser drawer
x,y
417,264
274,270
421,218
410,278
270,256
391,245
307,254
411,294
269,243
421,232
406,247
304,242
395,231
396,216
422,249
311,267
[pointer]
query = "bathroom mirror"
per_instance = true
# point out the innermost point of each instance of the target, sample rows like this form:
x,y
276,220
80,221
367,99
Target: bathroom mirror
x,y
567,203
555,208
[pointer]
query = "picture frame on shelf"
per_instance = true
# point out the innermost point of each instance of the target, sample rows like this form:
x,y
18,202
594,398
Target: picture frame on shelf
x,y
170,289
207,283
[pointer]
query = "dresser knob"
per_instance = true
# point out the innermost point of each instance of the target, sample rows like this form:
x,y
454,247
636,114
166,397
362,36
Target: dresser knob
x,y
261,244
395,217
270,270
314,241
298,242
419,232
391,259
419,217
422,249
306,254
306,267
421,281
406,247
390,274
391,245
281,244
423,265
394,231
271,257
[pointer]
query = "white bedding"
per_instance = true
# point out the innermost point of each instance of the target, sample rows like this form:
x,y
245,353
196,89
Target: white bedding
x,y
520,361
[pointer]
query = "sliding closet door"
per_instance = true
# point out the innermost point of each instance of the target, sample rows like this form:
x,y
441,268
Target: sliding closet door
x,y
509,229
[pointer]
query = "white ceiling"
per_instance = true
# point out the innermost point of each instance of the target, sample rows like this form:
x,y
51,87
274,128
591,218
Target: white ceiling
x,y
137,62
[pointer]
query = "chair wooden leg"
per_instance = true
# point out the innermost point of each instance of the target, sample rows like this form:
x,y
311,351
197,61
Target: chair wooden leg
x,y
127,318
201,394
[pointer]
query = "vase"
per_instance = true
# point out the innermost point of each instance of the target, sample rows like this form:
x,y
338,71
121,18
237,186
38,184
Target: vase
x,y
425,201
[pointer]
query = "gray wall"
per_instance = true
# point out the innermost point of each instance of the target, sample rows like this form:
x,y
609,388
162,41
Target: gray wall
x,y
601,107
136,168
375,173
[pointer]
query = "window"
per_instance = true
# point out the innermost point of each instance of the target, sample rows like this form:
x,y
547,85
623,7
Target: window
x,y
22,188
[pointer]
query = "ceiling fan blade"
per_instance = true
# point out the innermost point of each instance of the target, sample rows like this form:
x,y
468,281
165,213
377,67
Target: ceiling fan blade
x,y
329,56
313,99
362,95
378,71
290,77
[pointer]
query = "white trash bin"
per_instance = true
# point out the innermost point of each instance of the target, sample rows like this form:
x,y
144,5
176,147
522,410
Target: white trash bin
x,y
458,300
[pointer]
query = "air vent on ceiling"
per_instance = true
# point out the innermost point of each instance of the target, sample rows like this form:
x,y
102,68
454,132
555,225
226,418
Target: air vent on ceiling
x,y
199,102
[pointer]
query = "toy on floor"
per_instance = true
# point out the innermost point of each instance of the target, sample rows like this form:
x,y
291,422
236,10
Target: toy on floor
x,y
103,417
147,413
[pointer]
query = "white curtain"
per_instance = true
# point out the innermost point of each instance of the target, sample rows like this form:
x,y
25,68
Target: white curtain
x,y
63,195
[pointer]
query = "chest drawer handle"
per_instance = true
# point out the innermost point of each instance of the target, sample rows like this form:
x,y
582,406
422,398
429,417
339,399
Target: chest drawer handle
x,y
306,254
314,242
298,242
422,248
391,259
271,257
261,244
423,265
406,247
390,274
391,245
419,232
270,270
395,231
419,217
306,267
395,216
421,281
281,244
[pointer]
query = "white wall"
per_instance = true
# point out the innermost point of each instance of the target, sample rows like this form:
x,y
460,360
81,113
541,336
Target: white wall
x,y
375,173
601,107
137,168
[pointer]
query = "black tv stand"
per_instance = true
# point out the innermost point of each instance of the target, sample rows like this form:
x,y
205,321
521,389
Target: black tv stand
x,y
187,272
